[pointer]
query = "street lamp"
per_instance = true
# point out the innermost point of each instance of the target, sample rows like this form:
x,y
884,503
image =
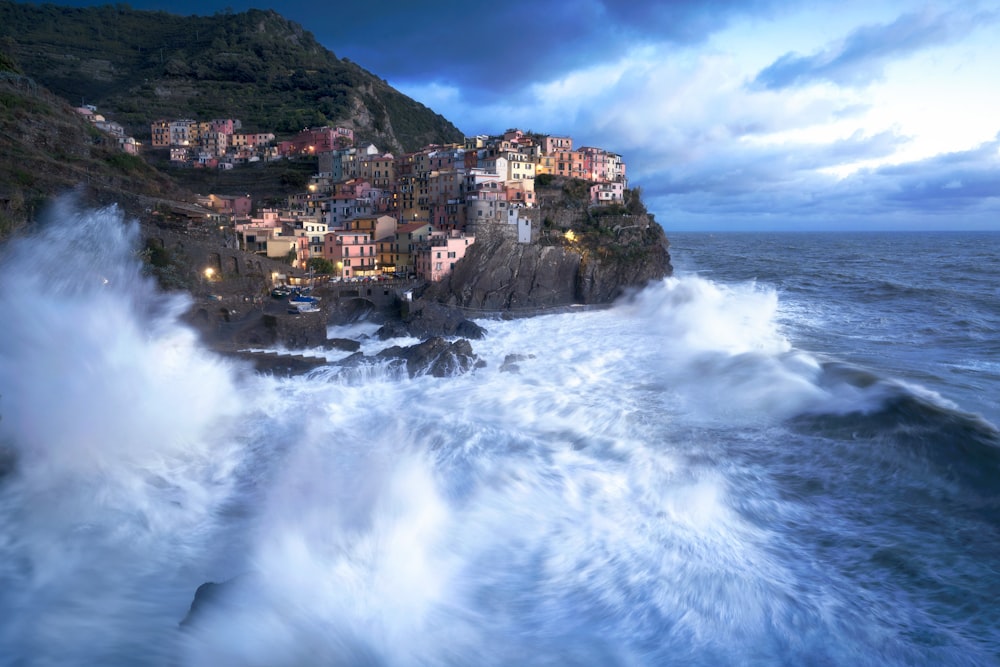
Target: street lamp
x,y
209,272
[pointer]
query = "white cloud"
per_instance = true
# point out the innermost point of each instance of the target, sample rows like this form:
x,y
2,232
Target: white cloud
x,y
686,121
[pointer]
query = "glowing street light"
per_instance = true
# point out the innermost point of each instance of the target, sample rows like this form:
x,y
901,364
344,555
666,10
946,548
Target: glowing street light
x,y
209,272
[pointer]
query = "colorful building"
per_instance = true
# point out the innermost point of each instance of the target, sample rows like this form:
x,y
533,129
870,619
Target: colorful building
x,y
351,252
437,257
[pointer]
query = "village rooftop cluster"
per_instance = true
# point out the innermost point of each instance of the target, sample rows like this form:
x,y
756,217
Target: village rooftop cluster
x,y
370,213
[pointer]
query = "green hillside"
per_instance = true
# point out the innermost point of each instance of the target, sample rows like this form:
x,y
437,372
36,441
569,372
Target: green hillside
x,y
138,66
47,148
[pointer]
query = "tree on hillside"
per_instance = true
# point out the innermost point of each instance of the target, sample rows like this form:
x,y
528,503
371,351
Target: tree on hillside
x,y
633,201
320,265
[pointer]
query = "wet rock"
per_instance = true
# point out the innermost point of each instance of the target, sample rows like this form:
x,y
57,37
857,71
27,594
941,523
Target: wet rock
x,y
272,363
210,594
392,329
435,356
469,329
354,360
428,318
613,255
245,604
342,344
512,362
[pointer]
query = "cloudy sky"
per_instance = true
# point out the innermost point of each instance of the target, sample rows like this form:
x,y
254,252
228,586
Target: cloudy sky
x,y
730,114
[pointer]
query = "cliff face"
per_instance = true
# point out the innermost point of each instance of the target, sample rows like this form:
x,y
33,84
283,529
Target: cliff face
x,y
500,274
598,263
630,252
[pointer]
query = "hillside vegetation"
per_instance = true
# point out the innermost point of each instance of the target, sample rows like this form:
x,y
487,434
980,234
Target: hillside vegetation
x,y
138,66
47,148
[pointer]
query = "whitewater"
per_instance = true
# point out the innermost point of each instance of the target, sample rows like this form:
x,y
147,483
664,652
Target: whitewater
x,y
698,475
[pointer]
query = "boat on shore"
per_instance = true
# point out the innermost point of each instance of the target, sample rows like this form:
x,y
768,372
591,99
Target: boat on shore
x,y
295,308
302,299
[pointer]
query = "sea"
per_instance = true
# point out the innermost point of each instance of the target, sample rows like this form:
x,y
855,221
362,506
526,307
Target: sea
x,y
785,454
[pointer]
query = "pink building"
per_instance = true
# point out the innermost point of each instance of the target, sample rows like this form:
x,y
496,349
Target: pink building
x,y
435,259
607,193
552,145
250,140
448,215
269,219
352,253
223,125
520,192
513,136
570,164
602,166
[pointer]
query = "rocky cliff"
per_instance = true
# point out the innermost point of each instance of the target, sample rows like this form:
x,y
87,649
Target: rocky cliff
x,y
591,257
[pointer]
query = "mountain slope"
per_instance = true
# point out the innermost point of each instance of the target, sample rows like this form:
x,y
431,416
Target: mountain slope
x,y
47,148
138,66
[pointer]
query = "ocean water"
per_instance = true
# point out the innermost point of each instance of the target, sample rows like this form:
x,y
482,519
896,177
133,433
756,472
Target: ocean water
x,y
783,455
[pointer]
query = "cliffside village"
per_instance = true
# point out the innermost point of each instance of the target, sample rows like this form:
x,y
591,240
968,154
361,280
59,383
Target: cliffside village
x,y
373,214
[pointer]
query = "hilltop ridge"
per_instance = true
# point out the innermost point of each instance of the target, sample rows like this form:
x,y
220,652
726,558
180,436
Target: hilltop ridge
x,y
254,65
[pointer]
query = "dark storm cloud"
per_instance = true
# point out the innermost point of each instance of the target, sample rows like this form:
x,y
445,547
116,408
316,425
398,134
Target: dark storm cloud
x,y
488,49
495,49
734,171
960,189
861,57
949,182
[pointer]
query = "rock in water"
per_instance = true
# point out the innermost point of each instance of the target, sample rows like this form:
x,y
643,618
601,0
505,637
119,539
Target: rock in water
x,y
435,356
427,318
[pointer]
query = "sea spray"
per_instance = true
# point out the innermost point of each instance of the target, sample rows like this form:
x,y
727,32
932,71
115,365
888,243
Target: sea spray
x,y
671,480
118,421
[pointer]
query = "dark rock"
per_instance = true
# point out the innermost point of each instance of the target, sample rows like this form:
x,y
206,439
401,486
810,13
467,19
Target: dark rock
x,y
428,318
343,344
613,254
245,597
392,329
209,594
353,361
435,356
253,327
277,364
469,329
511,363
351,310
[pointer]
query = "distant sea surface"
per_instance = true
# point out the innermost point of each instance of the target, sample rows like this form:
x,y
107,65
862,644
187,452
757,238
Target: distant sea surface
x,y
920,307
786,454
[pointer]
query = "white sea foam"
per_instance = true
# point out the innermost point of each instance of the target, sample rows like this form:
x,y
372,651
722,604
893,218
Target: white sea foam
x,y
589,507
120,424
